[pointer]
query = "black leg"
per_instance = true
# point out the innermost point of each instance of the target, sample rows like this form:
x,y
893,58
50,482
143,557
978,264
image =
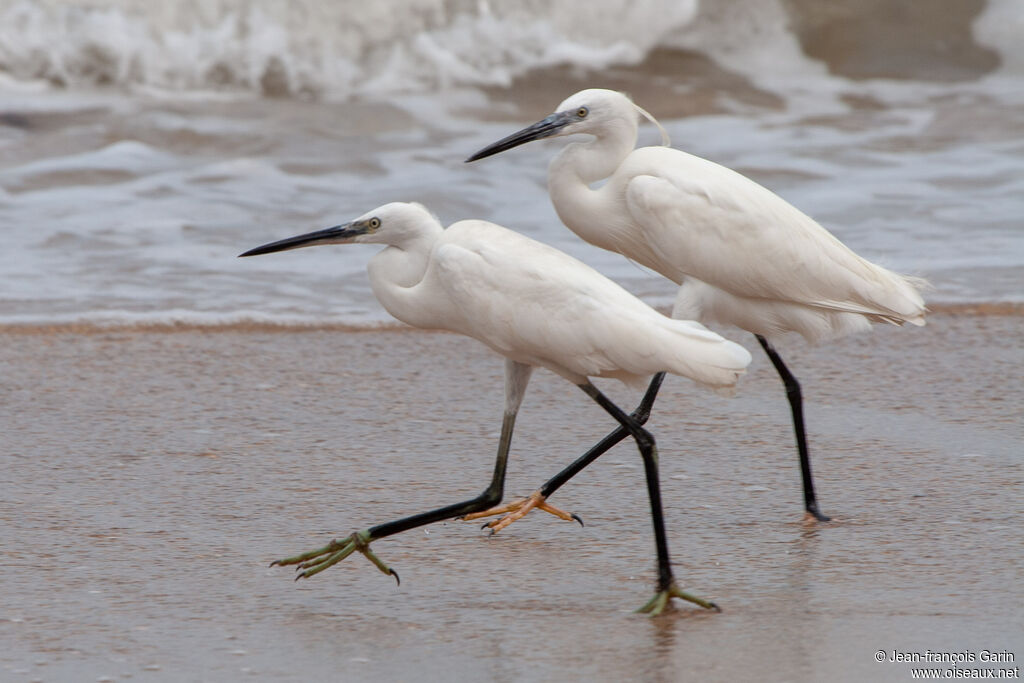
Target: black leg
x,y
315,561
520,508
796,406
489,498
640,415
648,451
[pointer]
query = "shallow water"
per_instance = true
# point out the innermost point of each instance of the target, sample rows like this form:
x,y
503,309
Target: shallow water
x,y
126,198
151,477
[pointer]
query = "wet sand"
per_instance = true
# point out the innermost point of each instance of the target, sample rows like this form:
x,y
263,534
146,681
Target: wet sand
x,y
149,476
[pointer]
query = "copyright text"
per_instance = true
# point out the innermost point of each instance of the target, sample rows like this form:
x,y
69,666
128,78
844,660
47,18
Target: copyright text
x,y
956,658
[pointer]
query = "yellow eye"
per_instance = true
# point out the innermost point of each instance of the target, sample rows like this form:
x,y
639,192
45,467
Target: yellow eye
x,y
374,223
582,112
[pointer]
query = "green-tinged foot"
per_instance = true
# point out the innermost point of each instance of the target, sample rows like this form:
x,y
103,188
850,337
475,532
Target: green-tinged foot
x,y
658,603
315,561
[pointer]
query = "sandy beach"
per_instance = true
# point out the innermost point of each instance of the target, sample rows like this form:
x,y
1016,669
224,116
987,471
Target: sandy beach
x,y
173,418
150,476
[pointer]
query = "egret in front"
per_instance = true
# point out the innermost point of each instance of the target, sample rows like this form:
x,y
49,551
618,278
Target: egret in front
x,y
537,307
741,254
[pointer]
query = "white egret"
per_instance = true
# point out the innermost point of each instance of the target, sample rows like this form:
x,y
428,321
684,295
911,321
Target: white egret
x,y
741,254
537,307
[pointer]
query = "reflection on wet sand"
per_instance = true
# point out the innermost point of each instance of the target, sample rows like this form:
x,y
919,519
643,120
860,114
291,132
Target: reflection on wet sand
x,y
152,476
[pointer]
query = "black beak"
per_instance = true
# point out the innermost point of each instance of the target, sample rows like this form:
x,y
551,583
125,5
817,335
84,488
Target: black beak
x,y
339,234
544,128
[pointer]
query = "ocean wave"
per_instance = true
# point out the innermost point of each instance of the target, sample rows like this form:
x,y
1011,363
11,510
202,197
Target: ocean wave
x,y
315,48
309,47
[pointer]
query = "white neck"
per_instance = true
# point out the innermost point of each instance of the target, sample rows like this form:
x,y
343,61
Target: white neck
x,y
598,158
584,210
394,273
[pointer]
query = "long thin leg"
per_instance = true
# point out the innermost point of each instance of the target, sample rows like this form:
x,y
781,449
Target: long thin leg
x,y
640,416
491,496
315,561
517,510
796,406
648,451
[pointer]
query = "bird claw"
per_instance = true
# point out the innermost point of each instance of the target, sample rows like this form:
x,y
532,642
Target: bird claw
x,y
315,561
660,601
518,509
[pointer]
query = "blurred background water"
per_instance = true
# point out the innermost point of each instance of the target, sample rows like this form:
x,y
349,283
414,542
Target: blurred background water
x,y
143,146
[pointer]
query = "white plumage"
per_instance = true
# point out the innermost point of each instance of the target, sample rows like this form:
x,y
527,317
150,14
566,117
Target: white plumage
x,y
776,270
539,308
534,304
741,254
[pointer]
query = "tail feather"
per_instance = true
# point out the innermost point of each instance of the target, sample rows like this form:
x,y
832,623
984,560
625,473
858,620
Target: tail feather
x,y
693,351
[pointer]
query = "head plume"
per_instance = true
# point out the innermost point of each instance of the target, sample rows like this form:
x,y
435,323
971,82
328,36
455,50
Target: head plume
x,y
665,140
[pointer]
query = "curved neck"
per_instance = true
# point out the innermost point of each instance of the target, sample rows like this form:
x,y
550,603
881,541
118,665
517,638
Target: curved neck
x,y
588,212
394,273
598,158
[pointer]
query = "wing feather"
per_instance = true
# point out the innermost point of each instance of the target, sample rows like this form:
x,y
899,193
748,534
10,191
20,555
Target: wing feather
x,y
711,223
536,305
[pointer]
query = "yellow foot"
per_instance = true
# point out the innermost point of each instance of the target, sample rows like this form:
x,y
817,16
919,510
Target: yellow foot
x,y
518,509
315,561
660,600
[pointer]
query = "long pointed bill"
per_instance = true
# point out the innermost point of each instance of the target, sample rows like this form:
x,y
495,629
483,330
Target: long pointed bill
x,y
544,128
339,234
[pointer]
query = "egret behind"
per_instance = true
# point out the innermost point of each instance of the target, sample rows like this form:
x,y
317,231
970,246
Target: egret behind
x,y
741,254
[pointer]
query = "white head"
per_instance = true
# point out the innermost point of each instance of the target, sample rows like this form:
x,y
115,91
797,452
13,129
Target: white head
x,y
594,111
393,224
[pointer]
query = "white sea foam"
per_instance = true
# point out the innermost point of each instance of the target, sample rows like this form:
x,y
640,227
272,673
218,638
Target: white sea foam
x,y
344,47
313,46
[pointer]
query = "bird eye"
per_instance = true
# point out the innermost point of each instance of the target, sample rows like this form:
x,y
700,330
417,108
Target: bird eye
x,y
582,112
374,223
